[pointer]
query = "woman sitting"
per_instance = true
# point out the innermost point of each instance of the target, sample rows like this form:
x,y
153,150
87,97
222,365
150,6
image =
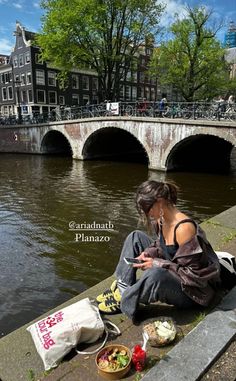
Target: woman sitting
x,y
179,267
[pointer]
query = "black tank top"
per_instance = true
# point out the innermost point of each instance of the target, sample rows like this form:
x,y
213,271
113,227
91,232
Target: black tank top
x,y
169,251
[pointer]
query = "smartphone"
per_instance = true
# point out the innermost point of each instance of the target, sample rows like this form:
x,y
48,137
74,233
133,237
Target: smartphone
x,y
131,261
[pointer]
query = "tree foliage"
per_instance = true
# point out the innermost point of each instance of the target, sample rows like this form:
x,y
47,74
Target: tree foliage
x,y
193,60
103,35
231,88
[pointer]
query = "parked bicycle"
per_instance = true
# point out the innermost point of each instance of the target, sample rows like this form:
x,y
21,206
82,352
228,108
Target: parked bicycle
x,y
214,111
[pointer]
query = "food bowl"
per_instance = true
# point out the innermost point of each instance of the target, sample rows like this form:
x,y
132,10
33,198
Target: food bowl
x,y
161,332
113,361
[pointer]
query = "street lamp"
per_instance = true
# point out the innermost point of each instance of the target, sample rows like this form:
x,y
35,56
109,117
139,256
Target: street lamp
x,y
17,86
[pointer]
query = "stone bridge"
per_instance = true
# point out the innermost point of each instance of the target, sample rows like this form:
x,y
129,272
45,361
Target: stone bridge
x,y
163,144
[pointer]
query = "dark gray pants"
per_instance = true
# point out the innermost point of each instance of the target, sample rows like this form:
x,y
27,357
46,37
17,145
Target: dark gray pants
x,y
155,284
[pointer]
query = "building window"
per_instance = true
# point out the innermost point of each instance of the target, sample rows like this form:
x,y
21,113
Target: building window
x,y
95,100
85,82
51,78
147,93
127,92
122,91
75,99
134,93
24,98
95,84
22,79
25,109
52,95
10,92
28,78
40,77
30,96
140,92
141,76
41,96
35,110
152,93
134,76
75,81
27,57
5,110
4,93
21,60
11,110
147,78
7,78
85,100
128,76
61,100
15,61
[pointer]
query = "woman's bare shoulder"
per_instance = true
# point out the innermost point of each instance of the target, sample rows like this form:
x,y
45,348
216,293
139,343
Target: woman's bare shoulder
x,y
185,231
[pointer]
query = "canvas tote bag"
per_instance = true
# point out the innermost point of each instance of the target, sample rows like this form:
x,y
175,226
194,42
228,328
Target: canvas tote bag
x,y
55,335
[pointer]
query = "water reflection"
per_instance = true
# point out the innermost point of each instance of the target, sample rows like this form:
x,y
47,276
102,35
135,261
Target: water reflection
x,y
41,263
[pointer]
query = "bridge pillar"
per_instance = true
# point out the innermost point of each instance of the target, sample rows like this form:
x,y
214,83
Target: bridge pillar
x,y
156,157
156,167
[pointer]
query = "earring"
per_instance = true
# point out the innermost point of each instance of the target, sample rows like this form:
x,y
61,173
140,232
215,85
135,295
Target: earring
x,y
152,220
161,216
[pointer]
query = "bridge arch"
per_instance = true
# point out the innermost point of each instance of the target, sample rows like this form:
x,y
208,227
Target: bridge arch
x,y
114,143
55,142
200,152
159,140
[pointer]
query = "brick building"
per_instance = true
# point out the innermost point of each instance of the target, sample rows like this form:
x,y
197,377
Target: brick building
x,y
28,85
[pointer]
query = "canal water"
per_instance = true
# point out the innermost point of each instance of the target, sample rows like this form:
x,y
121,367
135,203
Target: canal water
x,y
45,201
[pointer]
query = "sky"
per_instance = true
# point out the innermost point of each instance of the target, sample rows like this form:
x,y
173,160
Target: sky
x,y
29,13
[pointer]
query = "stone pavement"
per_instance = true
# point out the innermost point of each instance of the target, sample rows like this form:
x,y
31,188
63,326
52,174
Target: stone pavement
x,y
191,356
194,354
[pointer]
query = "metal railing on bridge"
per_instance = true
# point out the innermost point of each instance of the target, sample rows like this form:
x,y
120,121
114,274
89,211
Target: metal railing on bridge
x,y
219,111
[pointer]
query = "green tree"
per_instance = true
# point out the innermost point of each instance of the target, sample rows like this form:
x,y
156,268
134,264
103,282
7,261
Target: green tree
x,y
230,89
192,60
103,35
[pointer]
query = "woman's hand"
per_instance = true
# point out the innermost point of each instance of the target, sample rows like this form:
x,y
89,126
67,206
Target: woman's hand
x,y
147,264
143,256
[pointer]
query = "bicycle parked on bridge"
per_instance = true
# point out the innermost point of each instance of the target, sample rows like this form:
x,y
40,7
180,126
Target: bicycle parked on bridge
x,y
140,108
178,110
230,113
182,110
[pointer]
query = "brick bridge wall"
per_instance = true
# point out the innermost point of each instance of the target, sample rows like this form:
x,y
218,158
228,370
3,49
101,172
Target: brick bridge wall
x,y
157,136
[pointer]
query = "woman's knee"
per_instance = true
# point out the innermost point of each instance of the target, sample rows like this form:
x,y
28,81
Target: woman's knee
x,y
137,234
138,237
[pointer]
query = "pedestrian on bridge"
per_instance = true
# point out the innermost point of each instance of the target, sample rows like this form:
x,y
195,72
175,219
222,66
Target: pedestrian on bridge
x,y
163,105
221,104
